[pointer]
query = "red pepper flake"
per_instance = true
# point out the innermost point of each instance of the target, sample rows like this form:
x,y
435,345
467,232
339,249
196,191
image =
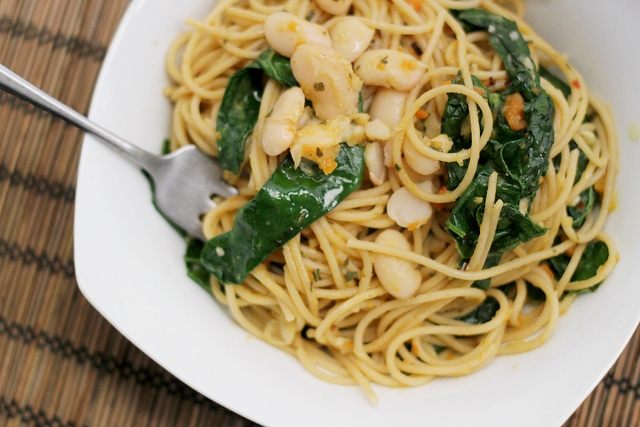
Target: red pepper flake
x,y
576,84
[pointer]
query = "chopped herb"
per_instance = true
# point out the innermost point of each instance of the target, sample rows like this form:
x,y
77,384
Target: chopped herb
x,y
417,49
438,348
318,86
351,275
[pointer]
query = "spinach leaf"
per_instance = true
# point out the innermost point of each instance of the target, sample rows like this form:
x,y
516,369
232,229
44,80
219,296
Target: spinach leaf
x,y
240,105
589,198
195,269
586,201
520,157
277,67
555,81
455,113
594,256
483,313
164,150
290,200
525,158
238,115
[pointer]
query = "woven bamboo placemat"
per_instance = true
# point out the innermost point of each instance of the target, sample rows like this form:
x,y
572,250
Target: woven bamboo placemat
x,y
61,363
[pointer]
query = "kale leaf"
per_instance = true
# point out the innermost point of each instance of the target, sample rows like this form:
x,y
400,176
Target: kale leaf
x,y
594,256
520,157
240,105
291,199
483,313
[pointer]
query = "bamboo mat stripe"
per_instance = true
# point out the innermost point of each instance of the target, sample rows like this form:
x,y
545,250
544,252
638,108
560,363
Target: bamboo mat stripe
x,y
61,363
55,190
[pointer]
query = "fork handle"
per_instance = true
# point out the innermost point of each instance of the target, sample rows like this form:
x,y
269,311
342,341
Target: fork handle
x,y
18,86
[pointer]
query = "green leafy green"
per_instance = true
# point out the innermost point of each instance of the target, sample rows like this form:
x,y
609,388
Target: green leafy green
x,y
483,313
277,67
587,200
240,105
594,256
519,157
292,199
238,115
195,269
555,81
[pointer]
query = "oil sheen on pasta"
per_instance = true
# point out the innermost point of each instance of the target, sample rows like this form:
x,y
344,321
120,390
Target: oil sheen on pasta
x,y
423,184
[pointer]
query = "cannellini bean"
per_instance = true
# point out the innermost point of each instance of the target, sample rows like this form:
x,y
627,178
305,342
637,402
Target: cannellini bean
x,y
418,161
334,7
377,130
408,210
432,125
350,37
284,32
388,105
327,80
319,142
374,160
280,126
589,137
400,277
389,68
441,142
353,128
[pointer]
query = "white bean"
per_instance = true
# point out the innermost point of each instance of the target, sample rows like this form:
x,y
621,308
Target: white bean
x,y
441,142
418,161
280,126
334,7
408,210
319,142
388,105
423,164
389,68
377,130
432,125
400,277
374,160
284,32
350,37
327,80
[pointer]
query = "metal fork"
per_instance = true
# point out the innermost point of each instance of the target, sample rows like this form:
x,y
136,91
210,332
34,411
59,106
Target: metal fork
x,y
184,180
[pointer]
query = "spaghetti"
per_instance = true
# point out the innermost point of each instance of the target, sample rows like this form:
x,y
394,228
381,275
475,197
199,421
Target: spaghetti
x,y
328,296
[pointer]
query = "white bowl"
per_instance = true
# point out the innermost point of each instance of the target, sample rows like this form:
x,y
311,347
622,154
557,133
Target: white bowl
x,y
129,261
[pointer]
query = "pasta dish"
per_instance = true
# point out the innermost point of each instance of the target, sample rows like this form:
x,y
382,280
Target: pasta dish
x,y
423,184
